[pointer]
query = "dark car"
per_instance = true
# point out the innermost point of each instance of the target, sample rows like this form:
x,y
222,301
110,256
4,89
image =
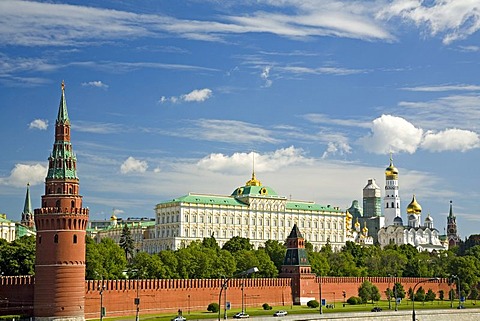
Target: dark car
x,y
376,309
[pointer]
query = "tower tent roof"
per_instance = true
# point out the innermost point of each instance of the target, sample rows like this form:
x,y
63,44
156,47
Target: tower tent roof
x,y
27,207
62,116
295,233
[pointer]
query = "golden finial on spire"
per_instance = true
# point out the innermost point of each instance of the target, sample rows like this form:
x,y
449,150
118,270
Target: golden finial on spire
x,y
63,85
254,181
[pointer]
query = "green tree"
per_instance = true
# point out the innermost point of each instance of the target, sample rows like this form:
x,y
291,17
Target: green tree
x,y
319,263
105,260
368,291
126,242
170,262
147,266
474,294
343,264
237,243
441,295
430,296
276,251
18,257
398,290
210,242
420,295
267,268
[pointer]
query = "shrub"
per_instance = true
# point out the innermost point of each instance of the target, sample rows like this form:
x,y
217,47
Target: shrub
x,y
213,307
266,306
313,304
353,300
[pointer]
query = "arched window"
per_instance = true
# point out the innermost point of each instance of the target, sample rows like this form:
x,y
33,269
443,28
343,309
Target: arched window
x,y
57,203
55,238
73,203
74,238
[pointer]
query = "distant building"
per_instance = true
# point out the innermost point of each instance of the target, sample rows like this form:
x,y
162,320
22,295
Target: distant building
x,y
252,211
113,229
7,228
391,210
356,234
423,237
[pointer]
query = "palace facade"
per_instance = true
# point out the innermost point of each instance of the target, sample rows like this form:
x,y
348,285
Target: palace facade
x,y
253,211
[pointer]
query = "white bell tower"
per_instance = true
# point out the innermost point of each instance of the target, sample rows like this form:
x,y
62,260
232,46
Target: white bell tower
x,y
391,200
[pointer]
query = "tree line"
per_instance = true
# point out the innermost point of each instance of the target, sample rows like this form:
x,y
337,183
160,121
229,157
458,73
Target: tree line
x,y
206,259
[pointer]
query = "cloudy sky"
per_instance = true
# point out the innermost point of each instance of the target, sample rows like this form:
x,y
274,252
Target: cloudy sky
x,y
171,97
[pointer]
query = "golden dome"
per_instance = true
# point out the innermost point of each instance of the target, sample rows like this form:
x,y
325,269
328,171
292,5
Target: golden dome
x,y
391,172
253,181
414,207
113,218
365,228
357,224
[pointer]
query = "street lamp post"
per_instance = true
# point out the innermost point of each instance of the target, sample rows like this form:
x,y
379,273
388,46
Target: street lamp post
x,y
137,303
459,291
388,292
189,304
320,291
413,294
243,309
100,289
395,294
224,285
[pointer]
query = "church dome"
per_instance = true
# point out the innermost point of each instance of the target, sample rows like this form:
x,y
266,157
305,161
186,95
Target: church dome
x,y
253,181
429,219
113,218
391,172
414,207
397,221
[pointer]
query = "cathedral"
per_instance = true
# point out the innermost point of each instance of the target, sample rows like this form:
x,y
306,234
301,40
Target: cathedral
x,y
423,237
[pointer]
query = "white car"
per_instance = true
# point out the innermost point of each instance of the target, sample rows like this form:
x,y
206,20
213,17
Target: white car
x,y
280,313
179,318
241,315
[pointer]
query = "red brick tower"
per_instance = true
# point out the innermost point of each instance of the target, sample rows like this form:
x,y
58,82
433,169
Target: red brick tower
x,y
61,223
297,267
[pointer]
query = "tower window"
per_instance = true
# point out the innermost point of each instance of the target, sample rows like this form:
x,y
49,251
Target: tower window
x,y
75,239
39,239
57,203
73,203
55,238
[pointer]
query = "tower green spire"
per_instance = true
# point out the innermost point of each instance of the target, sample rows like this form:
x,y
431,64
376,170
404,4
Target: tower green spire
x,y
27,208
62,116
62,163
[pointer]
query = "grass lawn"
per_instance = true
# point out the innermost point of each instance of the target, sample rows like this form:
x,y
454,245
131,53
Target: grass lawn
x,y
295,309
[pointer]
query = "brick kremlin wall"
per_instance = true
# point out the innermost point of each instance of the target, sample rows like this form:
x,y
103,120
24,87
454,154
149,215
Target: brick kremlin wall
x,y
168,296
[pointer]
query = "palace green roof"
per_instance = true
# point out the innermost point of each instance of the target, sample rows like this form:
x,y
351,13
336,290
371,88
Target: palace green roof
x,y
205,199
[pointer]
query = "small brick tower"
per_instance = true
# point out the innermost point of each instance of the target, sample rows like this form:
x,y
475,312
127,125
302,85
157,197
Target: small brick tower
x,y
452,234
61,223
297,267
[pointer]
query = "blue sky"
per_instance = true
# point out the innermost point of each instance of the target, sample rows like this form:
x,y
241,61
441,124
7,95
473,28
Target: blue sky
x,y
171,97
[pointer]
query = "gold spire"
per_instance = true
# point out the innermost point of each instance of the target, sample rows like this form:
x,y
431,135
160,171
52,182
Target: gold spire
x,y
254,181
414,207
63,85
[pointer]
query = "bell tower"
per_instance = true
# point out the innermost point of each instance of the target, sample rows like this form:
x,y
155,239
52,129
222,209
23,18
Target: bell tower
x,y
392,198
452,234
61,224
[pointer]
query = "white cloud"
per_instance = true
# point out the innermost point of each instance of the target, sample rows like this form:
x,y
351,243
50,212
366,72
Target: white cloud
x,y
22,174
451,140
453,19
40,24
265,76
230,131
392,134
41,124
132,165
268,162
196,95
395,134
98,84
441,88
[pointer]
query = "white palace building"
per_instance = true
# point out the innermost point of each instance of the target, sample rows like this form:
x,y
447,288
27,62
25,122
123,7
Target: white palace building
x,y
253,211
